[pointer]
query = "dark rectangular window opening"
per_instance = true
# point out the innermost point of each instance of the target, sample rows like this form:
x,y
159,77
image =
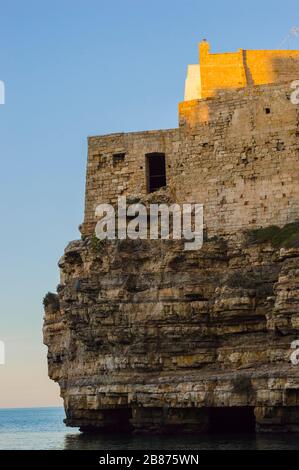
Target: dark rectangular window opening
x,y
118,158
155,171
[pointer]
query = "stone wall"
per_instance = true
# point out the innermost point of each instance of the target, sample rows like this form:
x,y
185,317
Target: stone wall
x,y
236,153
233,70
220,71
109,176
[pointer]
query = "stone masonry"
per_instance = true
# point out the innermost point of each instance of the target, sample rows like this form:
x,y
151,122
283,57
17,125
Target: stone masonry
x,y
235,153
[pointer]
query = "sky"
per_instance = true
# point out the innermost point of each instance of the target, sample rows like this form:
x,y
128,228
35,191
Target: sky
x,y
73,69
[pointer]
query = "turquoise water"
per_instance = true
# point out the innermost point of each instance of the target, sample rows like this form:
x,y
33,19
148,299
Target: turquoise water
x,y
43,428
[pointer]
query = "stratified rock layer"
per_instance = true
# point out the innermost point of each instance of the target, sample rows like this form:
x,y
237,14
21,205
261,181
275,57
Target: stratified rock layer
x,y
146,336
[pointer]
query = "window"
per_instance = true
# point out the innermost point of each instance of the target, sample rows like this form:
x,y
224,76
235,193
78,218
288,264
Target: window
x,y
118,158
156,173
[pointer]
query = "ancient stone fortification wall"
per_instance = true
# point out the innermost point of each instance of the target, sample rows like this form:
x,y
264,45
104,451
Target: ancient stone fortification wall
x,y
240,162
236,153
110,173
220,71
232,70
271,66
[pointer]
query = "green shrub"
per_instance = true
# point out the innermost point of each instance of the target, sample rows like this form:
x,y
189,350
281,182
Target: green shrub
x,y
287,236
97,245
51,300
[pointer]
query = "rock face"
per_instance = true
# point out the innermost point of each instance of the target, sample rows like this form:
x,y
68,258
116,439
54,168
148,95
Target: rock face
x,y
143,335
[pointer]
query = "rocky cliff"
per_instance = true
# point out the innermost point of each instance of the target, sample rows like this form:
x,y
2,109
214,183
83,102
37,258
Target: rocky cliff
x,y
143,335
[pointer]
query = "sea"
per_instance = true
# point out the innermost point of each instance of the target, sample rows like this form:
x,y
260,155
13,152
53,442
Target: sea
x,y
43,429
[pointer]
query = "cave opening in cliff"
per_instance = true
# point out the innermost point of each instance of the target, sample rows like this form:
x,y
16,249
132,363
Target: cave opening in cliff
x,y
233,419
155,171
117,420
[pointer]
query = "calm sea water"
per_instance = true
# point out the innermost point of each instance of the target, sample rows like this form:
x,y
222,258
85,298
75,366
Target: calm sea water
x,y
43,428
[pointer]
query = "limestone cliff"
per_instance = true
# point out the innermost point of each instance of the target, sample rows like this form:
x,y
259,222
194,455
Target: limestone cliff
x,y
143,335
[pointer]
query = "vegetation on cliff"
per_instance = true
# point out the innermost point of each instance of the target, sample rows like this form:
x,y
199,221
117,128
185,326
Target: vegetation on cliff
x,y
279,237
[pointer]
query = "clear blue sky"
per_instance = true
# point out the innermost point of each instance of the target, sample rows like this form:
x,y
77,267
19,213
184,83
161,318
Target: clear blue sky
x,y
73,69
